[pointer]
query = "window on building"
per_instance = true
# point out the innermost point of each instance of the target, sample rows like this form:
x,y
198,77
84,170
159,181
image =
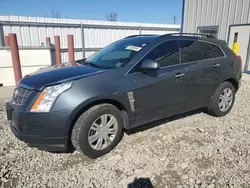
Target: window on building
x,y
196,51
211,31
166,53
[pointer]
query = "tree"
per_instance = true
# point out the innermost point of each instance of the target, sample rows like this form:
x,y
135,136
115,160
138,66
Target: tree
x,y
112,16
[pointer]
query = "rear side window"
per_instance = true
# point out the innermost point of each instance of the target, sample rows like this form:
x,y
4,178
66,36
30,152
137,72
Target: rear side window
x,y
166,53
197,51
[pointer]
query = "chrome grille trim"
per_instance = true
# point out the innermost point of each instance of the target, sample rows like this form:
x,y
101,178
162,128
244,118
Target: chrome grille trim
x,y
20,95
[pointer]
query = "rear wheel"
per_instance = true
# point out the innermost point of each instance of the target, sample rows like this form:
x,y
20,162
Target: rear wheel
x,y
223,100
98,130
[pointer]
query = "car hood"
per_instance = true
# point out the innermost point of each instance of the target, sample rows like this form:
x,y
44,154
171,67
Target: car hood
x,y
57,74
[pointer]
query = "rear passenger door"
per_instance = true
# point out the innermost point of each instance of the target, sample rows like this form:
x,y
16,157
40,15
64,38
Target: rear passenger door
x,y
204,61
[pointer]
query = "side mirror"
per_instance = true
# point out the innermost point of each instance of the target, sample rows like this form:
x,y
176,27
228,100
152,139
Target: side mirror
x,y
150,65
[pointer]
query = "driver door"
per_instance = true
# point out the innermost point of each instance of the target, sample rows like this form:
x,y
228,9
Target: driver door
x,y
161,92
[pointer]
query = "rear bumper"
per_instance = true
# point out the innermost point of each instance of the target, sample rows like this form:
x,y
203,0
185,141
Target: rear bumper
x,y
45,131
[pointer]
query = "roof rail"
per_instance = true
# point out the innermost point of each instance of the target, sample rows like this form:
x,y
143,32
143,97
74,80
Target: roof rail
x,y
192,34
140,35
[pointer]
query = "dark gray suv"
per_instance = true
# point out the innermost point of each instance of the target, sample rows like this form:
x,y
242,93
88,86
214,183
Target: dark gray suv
x,y
136,80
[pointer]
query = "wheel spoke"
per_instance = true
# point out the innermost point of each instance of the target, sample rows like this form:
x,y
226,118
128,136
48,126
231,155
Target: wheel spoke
x,y
221,104
229,93
99,143
221,97
93,138
104,119
224,106
111,121
107,140
112,131
95,127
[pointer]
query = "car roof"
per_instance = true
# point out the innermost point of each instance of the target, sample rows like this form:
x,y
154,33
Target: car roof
x,y
139,40
178,36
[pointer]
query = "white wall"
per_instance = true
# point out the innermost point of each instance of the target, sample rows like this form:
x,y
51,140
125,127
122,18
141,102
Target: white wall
x,y
31,60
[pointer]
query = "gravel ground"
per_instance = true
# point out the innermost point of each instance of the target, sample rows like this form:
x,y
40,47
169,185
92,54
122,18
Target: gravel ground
x,y
192,150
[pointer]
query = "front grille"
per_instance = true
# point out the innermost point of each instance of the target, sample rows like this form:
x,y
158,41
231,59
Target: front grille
x,y
20,95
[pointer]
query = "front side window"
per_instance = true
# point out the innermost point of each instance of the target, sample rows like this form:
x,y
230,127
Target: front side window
x,y
166,53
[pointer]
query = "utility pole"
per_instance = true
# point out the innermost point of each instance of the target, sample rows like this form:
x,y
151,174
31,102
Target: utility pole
x,y
174,18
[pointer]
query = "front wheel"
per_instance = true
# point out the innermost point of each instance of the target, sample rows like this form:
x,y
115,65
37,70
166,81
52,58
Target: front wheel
x,y
98,130
223,100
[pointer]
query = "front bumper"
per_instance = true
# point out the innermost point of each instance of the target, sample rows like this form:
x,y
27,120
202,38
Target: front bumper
x,y
45,131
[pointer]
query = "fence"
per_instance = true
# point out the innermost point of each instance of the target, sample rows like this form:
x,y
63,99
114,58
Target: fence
x,y
31,58
89,36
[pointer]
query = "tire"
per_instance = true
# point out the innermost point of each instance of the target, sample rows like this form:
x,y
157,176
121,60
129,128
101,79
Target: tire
x,y
82,130
213,107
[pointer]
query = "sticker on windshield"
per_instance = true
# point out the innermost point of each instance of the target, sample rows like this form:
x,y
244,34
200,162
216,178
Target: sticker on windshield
x,y
134,48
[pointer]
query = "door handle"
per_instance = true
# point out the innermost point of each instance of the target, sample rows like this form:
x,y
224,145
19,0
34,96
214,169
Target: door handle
x,y
179,75
216,65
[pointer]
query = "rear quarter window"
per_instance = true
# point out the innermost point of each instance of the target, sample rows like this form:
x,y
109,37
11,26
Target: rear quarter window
x,y
216,51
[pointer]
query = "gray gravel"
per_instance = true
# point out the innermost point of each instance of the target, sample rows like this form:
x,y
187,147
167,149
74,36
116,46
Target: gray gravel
x,y
195,150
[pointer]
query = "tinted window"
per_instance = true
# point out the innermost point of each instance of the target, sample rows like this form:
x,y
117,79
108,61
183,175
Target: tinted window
x,y
216,51
166,53
194,51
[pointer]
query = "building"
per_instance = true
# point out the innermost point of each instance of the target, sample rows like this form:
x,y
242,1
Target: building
x,y
224,19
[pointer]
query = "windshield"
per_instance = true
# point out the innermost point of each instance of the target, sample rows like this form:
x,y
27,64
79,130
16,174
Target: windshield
x,y
119,53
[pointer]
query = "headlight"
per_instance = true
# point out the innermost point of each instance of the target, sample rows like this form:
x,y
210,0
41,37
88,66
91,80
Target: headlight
x,y
48,96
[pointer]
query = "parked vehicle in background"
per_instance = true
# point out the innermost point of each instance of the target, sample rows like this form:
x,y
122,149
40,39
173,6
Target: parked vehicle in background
x,y
131,82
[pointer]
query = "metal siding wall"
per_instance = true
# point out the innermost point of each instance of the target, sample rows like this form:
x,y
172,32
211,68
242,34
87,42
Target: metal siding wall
x,y
197,16
219,14
248,12
215,12
238,11
94,37
192,13
245,10
203,8
209,12
231,16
